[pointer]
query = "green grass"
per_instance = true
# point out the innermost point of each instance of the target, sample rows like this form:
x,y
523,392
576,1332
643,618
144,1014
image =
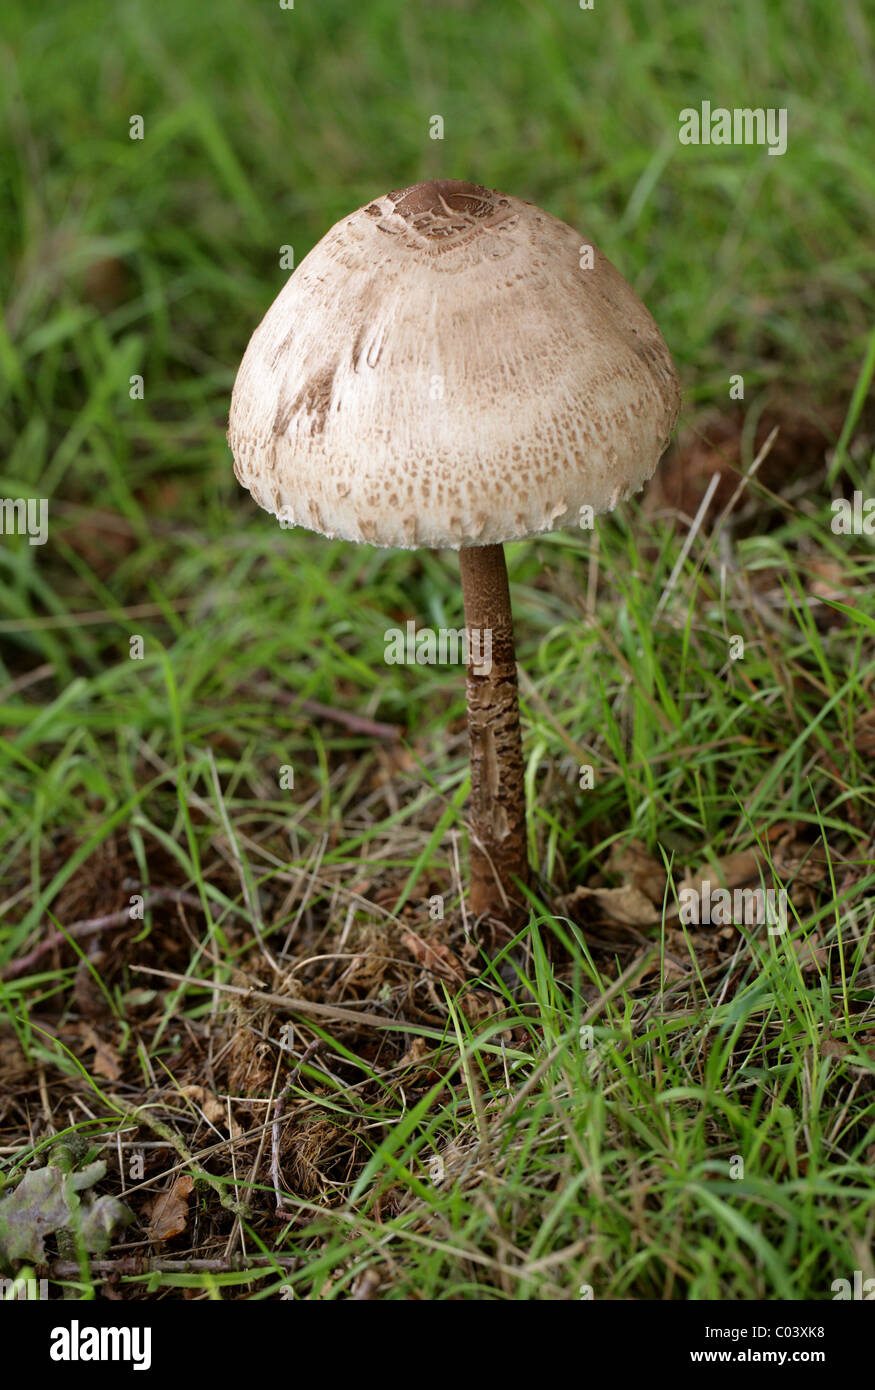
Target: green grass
x,y
565,1166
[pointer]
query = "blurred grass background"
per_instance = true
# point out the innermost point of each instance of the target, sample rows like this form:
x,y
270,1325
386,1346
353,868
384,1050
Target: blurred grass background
x,y
264,126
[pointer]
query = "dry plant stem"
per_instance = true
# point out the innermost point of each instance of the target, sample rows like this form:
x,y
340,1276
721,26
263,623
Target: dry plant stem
x,y
142,1264
498,800
92,927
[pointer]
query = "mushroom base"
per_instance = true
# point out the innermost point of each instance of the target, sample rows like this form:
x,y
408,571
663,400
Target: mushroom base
x,y
497,808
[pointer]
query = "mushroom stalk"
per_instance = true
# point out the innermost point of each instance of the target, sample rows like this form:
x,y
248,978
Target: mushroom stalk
x,y
498,798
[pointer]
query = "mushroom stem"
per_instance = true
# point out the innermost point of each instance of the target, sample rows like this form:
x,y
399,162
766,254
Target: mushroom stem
x,y
498,798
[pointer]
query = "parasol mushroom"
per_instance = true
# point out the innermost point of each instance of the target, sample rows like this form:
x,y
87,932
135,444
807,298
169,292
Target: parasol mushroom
x,y
452,367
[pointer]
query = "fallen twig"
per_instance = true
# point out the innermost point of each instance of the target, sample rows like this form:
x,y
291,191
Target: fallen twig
x,y
141,1264
288,1003
91,926
356,723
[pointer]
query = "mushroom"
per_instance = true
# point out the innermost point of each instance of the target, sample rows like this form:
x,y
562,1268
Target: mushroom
x,y
452,367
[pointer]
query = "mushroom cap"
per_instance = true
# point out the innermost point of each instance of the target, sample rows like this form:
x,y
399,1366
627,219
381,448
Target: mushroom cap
x,y
443,370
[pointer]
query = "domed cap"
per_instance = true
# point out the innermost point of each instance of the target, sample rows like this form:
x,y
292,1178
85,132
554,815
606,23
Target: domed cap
x,y
443,369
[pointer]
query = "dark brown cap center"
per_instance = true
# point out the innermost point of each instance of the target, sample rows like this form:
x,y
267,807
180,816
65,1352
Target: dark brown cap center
x,y
439,195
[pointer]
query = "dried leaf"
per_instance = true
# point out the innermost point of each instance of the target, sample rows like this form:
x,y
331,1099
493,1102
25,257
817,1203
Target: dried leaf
x,y
479,1004
796,864
434,956
829,580
633,862
418,1049
168,1211
106,1062
626,905
366,1285
106,1059
206,1101
730,871
213,1109
672,970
